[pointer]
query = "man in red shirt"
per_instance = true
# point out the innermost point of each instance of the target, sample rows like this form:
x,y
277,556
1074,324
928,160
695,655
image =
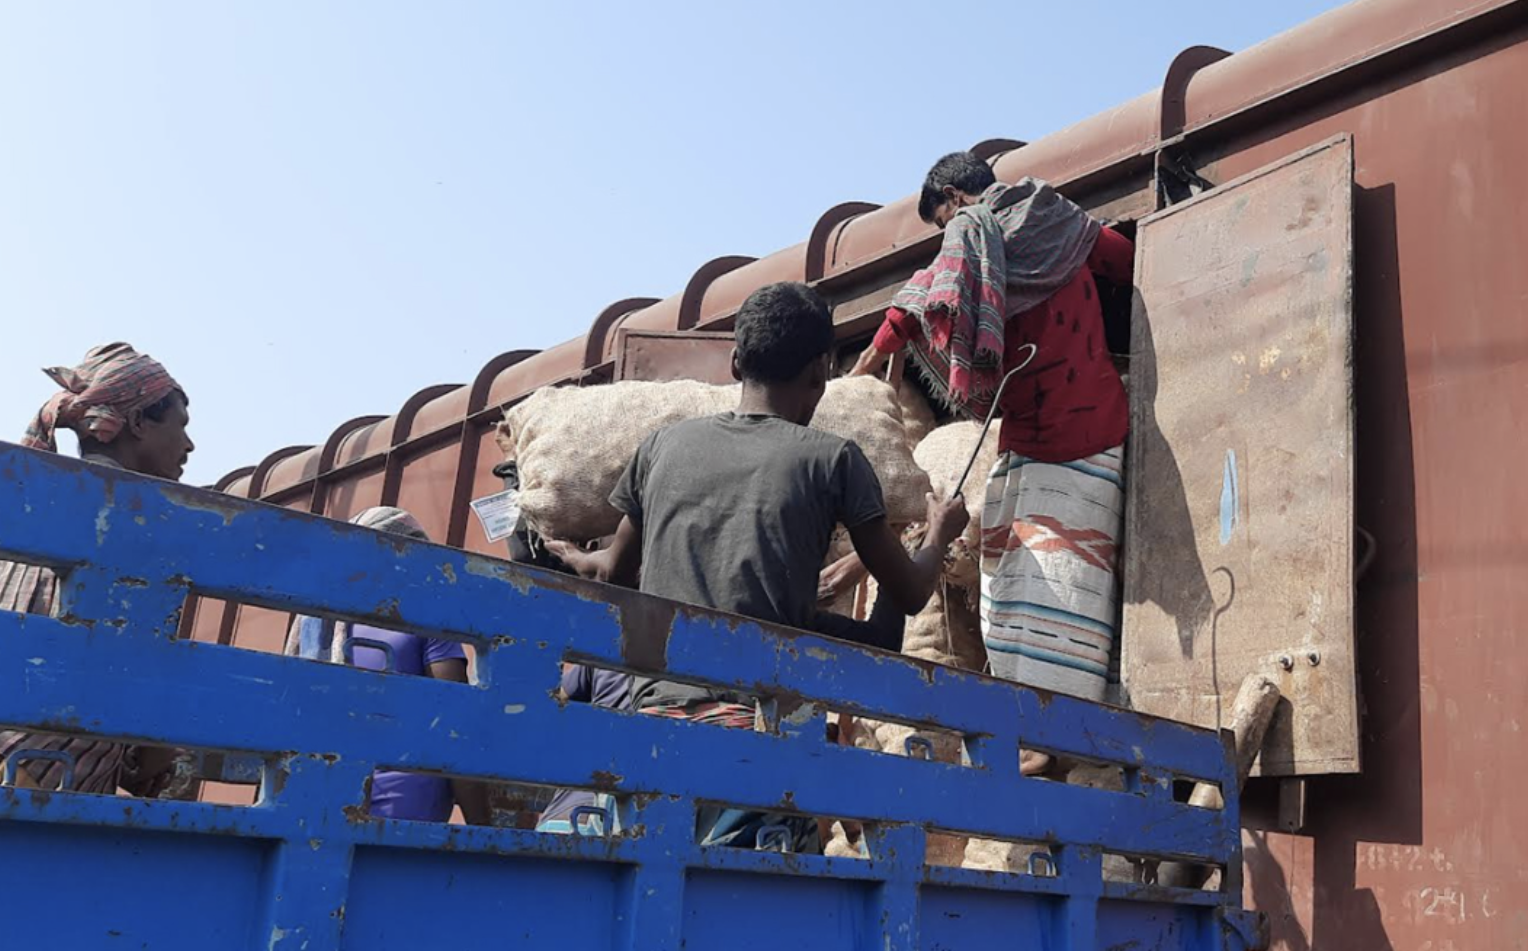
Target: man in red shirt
x,y
1016,269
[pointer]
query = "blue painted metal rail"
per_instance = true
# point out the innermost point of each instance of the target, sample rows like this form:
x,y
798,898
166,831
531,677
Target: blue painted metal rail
x,y
305,868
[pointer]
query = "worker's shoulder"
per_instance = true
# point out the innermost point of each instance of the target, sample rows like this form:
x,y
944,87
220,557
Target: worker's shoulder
x,y
756,431
806,445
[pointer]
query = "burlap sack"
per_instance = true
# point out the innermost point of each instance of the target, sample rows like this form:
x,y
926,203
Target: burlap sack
x,y
917,412
943,454
572,443
947,631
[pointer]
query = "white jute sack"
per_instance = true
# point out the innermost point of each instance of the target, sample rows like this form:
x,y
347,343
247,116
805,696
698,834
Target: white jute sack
x,y
571,444
917,411
943,454
947,631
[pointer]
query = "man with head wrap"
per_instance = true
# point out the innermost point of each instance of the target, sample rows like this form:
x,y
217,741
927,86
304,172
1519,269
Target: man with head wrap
x,y
126,408
129,413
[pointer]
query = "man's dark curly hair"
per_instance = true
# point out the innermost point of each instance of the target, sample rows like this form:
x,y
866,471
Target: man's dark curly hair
x,y
780,329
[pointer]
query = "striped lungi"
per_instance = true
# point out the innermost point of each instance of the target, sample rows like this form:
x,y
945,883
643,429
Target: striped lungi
x,y
1050,533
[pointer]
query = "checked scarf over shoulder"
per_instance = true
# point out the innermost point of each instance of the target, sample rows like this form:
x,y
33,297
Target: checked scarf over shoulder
x,y
1004,255
98,395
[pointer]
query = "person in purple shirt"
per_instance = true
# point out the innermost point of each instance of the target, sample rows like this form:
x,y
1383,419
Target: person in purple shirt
x,y
603,688
394,794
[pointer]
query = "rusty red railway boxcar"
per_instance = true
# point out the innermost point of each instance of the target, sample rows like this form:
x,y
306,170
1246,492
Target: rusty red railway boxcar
x,y
1390,814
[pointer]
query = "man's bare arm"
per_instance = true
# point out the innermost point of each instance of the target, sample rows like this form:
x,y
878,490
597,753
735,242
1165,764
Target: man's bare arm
x,y
909,581
620,563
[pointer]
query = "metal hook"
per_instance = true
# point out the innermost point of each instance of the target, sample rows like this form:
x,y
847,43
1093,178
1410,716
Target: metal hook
x,y
916,742
991,412
1046,859
63,757
777,832
592,812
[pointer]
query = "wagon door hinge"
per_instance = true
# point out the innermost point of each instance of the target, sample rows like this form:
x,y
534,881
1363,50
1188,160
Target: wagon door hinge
x,y
1176,179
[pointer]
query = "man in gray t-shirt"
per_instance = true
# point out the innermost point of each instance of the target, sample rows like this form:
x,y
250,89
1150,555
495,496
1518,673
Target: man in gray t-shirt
x,y
734,512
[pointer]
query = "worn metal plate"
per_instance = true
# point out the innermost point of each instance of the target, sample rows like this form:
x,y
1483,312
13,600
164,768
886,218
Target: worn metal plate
x,y
1240,504
656,356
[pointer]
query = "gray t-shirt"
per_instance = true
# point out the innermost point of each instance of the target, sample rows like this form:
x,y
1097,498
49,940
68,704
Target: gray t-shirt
x,y
736,513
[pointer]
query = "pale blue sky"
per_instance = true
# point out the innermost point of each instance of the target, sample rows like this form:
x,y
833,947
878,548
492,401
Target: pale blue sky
x,y
310,210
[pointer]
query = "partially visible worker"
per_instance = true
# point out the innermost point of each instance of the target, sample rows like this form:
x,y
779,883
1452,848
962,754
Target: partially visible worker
x,y
735,512
1016,268
128,413
588,811
395,794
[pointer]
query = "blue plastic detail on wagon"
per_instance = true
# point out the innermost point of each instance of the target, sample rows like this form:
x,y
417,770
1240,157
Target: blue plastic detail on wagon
x,y
305,868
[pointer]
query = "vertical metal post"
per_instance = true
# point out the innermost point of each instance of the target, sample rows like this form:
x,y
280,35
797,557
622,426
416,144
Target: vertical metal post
x,y
654,897
1083,872
895,909
307,880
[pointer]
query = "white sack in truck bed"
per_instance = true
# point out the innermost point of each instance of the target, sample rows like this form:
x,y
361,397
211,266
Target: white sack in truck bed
x,y
943,454
571,444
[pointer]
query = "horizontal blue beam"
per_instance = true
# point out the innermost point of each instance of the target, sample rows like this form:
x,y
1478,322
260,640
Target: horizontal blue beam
x,y
184,693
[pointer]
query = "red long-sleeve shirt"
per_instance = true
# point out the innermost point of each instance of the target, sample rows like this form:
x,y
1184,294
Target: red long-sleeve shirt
x,y
1069,404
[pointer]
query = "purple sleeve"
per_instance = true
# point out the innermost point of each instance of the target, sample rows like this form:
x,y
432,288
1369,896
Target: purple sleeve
x,y
578,683
437,650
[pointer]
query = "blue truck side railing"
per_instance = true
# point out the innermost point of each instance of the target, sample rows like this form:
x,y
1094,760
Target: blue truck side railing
x,y
306,868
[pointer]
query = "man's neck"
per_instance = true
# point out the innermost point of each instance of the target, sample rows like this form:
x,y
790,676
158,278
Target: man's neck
x,y
760,400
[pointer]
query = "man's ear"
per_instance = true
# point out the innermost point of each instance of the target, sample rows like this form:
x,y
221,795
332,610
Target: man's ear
x,y
737,371
823,370
951,193
134,424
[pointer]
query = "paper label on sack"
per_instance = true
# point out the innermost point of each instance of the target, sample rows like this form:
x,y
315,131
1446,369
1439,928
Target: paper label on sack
x,y
499,513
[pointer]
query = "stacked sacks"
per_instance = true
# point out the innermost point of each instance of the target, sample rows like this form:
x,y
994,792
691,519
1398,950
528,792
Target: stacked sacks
x,y
571,444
